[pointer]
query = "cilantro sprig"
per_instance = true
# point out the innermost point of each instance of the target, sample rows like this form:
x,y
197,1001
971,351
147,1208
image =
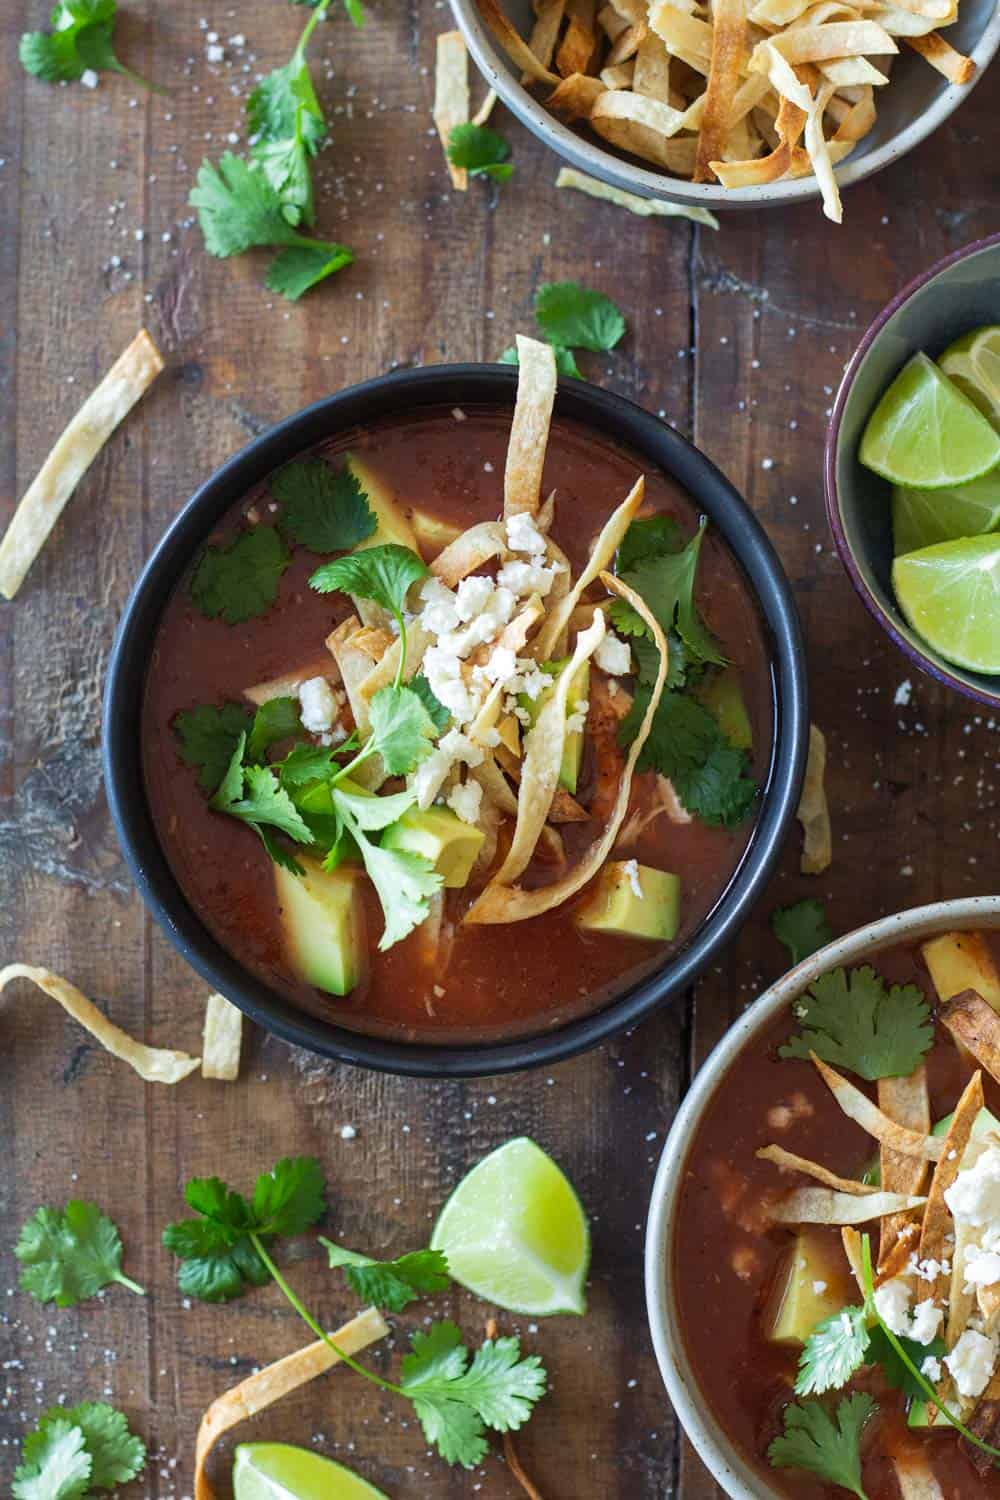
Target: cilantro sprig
x,y
382,574
80,41
852,1020
711,776
239,580
321,508
70,1254
803,928
75,1451
480,151
827,1446
570,317
455,1394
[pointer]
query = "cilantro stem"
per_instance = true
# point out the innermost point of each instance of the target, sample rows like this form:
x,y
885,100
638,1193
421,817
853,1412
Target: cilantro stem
x,y
311,25
144,83
311,1323
402,650
127,1281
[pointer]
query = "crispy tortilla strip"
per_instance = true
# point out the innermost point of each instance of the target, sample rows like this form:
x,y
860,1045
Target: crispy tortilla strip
x,y
576,96
77,447
790,123
355,668
564,809
856,121
804,44
261,1390
578,50
961,1297
985,1425
825,1206
847,72
960,961
646,128
604,549
154,1064
486,108
813,811
529,432
627,45
937,1225
374,641
479,545
222,1040
645,208
988,1302
511,904
907,1102
916,1478
451,96
618,76
729,56
859,1108
612,22
512,42
383,674
545,32
652,68
851,1241
288,686
975,1026
897,1262
684,36
941,55
789,1162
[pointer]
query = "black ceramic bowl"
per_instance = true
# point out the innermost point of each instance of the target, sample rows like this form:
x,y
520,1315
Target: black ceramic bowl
x,y
409,390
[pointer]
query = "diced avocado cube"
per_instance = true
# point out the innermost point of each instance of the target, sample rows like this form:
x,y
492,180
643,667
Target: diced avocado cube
x,y
393,522
633,900
811,1285
925,1414
962,961
722,695
322,917
433,534
569,770
451,845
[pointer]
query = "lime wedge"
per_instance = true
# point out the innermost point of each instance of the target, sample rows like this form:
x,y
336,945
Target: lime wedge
x,y
515,1233
277,1471
922,517
951,596
973,363
925,433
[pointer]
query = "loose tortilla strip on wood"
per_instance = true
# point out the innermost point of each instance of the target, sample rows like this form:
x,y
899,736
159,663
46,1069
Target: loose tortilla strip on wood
x,y
976,1027
529,432
451,96
79,444
604,549
262,1389
486,108
941,55
907,1101
813,810
645,208
937,1223
859,1108
154,1064
513,43
223,1039
512,904
729,55
789,1162
826,1206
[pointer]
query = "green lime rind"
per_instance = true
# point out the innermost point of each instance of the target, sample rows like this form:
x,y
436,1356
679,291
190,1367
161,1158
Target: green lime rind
x,y
973,364
920,518
924,433
279,1471
950,594
516,1235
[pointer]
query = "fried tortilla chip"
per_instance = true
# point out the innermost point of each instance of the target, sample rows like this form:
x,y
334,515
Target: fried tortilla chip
x,y
154,1064
288,686
223,1039
729,56
941,55
851,1241
789,1162
897,1262
451,96
578,50
512,42
859,1108
960,961
937,1226
985,1425
907,1102
529,433
644,127
604,549
262,1389
545,32
576,96
976,1027
915,1477
81,441
814,812
826,1206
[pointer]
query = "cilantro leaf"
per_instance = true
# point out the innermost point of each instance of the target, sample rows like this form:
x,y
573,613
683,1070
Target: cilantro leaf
x,y
834,1351
666,582
439,715
324,510
827,1446
80,40
402,731
851,1020
70,1254
371,813
647,661
803,928
574,317
304,764
208,736
648,538
480,151
55,1464
686,745
117,1455
404,882
285,118
881,1352
240,581
392,1284
565,360
289,1198
383,574
277,719
254,795
301,267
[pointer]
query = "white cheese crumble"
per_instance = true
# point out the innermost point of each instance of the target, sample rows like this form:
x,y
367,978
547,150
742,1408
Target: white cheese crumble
x,y
931,1369
453,748
631,869
927,1319
575,721
466,800
614,656
974,1196
982,1267
903,693
319,707
971,1362
527,577
524,536
819,1287
892,1303
89,78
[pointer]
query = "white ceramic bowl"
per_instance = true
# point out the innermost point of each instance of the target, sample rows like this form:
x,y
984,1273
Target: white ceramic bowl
x,y
913,105
728,1466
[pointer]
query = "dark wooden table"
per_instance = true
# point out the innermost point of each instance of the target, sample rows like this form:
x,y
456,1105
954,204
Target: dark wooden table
x,y
739,338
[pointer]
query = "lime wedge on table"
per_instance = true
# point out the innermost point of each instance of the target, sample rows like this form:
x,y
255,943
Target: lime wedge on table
x,y
277,1471
973,363
515,1233
951,596
925,433
922,517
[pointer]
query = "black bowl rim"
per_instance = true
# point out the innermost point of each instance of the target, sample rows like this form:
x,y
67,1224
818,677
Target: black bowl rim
x,y
933,666
447,385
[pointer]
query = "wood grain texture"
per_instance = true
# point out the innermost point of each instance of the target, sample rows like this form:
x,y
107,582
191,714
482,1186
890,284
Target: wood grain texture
x,y
739,339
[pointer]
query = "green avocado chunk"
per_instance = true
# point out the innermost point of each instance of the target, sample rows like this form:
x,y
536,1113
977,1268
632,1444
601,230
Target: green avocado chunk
x,y
811,1286
451,845
569,770
392,522
322,918
633,900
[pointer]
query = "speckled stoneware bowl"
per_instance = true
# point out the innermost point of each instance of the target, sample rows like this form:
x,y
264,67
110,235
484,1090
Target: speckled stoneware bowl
x,y
954,296
730,1469
915,104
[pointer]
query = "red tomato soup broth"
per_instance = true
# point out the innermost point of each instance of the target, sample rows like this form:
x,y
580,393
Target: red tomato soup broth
x,y
501,980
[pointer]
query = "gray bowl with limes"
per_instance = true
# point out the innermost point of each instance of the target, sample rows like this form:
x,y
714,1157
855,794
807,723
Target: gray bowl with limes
x,y
957,295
